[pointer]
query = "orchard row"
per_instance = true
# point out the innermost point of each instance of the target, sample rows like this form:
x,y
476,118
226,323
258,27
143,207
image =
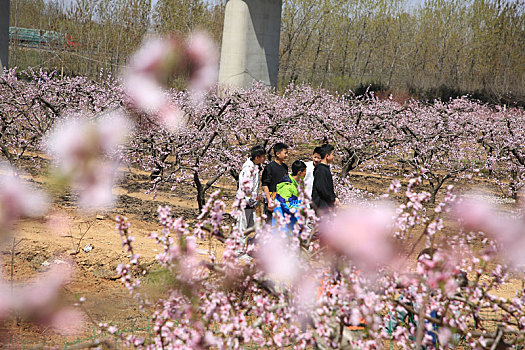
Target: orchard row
x,y
441,141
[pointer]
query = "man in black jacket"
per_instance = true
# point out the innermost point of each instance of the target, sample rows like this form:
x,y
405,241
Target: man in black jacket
x,y
272,175
323,194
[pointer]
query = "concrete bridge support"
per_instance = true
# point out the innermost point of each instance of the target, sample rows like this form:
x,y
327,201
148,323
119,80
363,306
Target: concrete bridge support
x,y
4,32
250,43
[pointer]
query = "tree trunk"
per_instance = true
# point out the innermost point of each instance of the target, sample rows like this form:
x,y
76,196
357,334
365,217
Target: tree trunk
x,y
201,200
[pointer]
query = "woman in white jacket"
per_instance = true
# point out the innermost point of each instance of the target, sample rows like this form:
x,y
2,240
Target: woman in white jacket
x,y
250,171
310,166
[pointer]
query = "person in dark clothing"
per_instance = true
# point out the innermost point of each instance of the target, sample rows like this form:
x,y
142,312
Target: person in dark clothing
x,y
272,175
323,194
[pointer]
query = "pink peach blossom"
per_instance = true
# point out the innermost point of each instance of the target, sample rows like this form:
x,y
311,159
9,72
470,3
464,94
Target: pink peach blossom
x,y
506,230
203,57
277,258
17,199
84,153
362,234
68,321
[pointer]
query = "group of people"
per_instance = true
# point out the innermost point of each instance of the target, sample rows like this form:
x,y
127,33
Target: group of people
x,y
281,189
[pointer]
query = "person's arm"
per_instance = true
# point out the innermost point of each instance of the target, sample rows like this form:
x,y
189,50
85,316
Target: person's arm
x,y
249,172
336,200
256,185
266,180
266,192
243,175
331,188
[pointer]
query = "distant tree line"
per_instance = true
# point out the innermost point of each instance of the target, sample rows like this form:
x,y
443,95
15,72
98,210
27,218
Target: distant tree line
x,y
439,48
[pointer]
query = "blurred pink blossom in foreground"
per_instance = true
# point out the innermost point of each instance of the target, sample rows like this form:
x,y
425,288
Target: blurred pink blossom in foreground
x,y
306,294
157,60
17,199
277,258
68,321
59,223
203,58
84,153
362,234
508,232
39,301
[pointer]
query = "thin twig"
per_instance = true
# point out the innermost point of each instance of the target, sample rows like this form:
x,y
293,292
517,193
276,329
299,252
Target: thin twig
x,y
421,324
497,340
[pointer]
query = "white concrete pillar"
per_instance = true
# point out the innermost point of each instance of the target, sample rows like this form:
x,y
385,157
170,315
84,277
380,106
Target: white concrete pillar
x,y
250,43
4,32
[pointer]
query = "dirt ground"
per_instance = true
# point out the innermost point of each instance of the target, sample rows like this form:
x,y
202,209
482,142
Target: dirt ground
x,y
38,245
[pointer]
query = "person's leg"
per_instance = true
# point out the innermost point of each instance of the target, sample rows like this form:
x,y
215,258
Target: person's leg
x,y
250,222
268,214
242,223
291,225
278,215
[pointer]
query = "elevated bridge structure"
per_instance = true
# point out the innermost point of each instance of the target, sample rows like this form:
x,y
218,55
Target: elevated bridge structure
x,y
250,43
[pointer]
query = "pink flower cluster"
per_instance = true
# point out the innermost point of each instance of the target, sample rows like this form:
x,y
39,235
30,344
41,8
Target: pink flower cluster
x,y
17,199
364,235
156,61
86,148
300,295
84,152
39,301
504,229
